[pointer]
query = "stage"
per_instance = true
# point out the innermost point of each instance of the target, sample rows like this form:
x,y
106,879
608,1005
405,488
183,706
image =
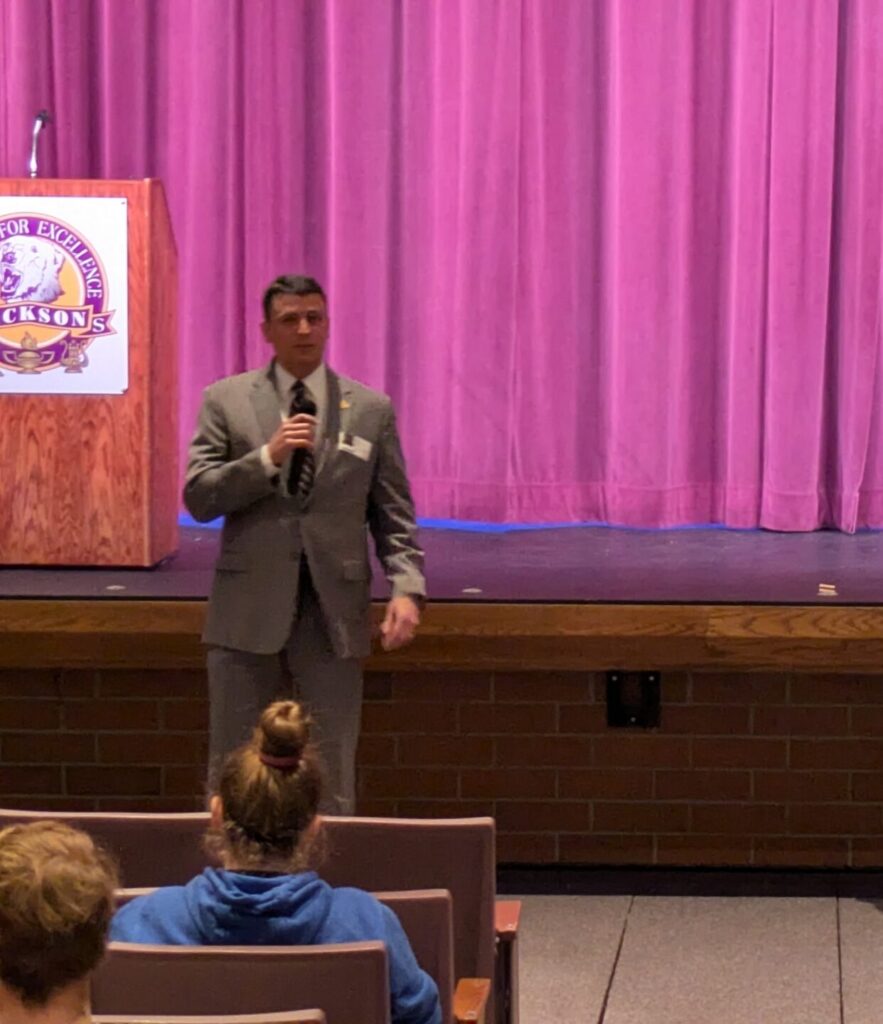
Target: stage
x,y
593,565
573,597
767,753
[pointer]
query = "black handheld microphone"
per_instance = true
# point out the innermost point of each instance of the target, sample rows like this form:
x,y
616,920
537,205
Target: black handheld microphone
x,y
308,407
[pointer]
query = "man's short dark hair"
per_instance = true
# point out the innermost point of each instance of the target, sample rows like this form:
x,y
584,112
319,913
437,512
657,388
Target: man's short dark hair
x,y
290,284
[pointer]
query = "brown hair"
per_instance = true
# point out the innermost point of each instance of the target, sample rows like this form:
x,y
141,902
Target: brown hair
x,y
56,902
270,788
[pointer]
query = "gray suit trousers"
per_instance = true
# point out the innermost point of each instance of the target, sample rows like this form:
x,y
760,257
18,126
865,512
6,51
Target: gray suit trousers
x,y
242,684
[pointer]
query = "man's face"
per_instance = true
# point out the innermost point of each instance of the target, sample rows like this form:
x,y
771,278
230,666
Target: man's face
x,y
297,330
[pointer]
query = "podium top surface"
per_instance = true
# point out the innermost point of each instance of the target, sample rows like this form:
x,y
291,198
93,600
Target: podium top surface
x,y
128,188
65,183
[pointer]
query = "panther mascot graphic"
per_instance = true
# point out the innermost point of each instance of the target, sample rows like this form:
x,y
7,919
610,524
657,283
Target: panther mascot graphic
x,y
29,269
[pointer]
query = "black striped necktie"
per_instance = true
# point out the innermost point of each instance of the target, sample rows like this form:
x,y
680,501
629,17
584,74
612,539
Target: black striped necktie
x,y
303,465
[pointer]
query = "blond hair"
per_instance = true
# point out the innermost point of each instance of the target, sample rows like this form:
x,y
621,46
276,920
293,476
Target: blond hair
x,y
56,902
270,789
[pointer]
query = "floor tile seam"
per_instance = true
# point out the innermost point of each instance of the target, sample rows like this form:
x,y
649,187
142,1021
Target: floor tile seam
x,y
613,969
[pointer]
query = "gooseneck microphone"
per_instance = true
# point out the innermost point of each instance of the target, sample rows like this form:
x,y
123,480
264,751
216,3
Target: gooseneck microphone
x,y
40,121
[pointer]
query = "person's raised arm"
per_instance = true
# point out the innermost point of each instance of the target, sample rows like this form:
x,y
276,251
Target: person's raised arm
x,y
215,484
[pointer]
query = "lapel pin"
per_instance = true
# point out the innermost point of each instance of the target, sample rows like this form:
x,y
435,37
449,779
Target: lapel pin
x,y
344,404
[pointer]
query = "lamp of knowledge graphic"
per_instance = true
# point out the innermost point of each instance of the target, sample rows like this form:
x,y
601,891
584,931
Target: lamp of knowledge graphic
x,y
53,295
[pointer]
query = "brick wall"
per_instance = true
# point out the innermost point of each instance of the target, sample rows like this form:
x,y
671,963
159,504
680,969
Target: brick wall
x,y
745,769
86,740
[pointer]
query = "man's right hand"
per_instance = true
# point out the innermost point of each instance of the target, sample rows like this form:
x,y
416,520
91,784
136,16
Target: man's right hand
x,y
295,432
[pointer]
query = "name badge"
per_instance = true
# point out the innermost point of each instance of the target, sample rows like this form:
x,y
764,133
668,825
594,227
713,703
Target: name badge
x,y
354,445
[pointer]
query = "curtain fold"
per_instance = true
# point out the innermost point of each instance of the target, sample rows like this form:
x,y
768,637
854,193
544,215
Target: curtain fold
x,y
615,261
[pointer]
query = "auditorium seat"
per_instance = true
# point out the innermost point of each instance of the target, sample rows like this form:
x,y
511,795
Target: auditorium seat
x,y
457,854
507,918
349,981
151,849
426,917
376,854
124,896
294,1017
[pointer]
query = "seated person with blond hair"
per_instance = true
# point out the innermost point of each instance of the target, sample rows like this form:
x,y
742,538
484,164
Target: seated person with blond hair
x,y
56,902
263,822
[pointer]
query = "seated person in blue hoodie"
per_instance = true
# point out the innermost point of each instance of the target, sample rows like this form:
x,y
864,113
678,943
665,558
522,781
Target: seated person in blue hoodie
x,y
264,818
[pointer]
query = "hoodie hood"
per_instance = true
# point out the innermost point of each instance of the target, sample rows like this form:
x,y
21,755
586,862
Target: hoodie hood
x,y
239,909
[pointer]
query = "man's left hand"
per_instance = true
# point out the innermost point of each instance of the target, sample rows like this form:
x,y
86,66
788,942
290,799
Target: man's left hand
x,y
400,623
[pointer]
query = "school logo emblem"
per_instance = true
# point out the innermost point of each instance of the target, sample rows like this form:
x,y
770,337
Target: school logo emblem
x,y
53,295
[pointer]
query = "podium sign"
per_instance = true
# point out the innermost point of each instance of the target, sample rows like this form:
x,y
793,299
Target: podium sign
x,y
63,287
88,373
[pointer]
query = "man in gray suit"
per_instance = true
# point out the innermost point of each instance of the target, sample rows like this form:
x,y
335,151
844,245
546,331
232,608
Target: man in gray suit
x,y
300,461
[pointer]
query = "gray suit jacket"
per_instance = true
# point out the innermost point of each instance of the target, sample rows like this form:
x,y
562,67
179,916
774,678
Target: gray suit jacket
x,y
254,594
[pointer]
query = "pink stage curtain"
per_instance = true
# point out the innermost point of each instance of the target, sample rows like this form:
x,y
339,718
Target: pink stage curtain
x,y
616,260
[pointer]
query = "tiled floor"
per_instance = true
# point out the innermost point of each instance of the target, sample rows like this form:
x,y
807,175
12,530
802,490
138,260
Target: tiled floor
x,y
701,960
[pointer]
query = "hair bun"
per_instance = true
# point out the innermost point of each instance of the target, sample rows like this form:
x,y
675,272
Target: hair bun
x,y
283,730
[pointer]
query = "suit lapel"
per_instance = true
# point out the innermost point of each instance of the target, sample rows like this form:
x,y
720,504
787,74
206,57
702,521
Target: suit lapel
x,y
265,402
336,391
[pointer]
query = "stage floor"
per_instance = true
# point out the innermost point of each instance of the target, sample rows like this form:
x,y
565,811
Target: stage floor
x,y
574,565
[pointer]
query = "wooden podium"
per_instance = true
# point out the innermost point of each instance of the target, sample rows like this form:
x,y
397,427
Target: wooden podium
x,y
92,480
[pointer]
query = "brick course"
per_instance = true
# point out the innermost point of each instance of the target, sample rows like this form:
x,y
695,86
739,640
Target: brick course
x,y
756,769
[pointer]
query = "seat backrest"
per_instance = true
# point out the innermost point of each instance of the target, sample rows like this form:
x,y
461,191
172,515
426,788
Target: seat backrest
x,y
427,919
349,981
151,849
123,896
295,1017
426,915
457,854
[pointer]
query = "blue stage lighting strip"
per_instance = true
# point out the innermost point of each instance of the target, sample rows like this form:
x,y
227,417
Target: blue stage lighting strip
x,y
474,526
